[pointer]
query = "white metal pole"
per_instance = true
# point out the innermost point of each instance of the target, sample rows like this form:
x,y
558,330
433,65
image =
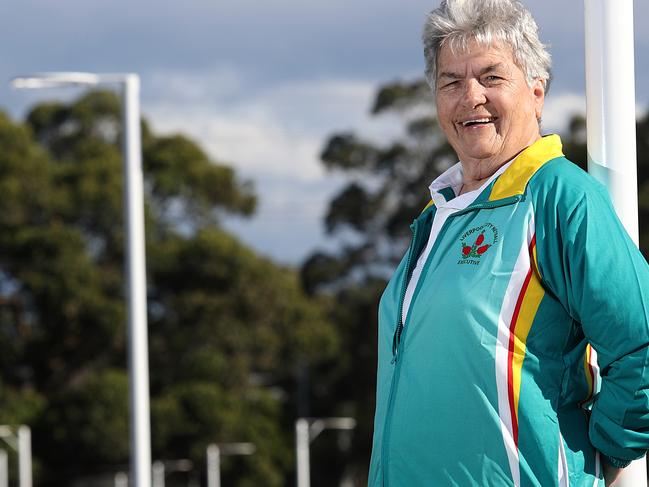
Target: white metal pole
x,y
302,451
158,474
610,95
213,466
24,456
121,479
134,250
4,469
611,124
136,285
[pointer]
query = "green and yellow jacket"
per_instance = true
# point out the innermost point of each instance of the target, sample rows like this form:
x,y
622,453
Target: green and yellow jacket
x,y
524,359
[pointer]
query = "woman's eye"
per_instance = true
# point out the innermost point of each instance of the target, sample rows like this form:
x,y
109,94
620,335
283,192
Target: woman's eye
x,y
450,84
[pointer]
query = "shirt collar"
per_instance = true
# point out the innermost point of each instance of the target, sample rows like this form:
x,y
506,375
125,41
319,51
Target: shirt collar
x,y
452,179
449,179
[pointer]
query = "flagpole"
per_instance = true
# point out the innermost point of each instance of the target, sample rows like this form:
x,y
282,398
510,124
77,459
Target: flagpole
x,y
611,126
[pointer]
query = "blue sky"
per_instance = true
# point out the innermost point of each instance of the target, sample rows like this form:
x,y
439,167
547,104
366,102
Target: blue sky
x,y
261,84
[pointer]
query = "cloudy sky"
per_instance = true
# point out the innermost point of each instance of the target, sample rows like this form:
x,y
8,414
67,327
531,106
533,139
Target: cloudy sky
x,y
262,83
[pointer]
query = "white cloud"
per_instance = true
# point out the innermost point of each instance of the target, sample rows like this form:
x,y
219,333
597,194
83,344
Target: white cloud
x,y
277,131
255,147
560,108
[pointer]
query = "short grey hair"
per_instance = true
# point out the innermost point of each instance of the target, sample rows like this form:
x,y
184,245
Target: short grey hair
x,y
457,22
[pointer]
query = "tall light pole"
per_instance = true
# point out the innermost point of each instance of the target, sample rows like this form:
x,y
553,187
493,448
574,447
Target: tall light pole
x,y
21,442
611,126
121,480
4,469
214,453
160,469
307,430
135,266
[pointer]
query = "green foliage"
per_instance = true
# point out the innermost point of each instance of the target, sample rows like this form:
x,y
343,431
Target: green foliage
x,y
401,96
89,417
20,406
226,326
181,171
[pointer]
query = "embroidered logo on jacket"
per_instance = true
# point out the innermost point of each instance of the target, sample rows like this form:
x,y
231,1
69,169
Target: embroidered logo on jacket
x,y
476,242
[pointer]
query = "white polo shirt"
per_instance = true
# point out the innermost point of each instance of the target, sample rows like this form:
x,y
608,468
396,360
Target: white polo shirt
x,y
452,178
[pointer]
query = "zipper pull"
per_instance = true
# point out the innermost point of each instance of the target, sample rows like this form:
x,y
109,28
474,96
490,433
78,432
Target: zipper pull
x,y
395,352
395,342
394,346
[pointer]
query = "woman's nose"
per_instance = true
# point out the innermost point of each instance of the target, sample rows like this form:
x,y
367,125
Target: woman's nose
x,y
474,94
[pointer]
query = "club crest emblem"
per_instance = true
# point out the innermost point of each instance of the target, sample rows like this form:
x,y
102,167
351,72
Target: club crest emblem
x,y
476,242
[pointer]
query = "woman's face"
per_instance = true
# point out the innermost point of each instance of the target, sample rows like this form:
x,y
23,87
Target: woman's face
x,y
485,106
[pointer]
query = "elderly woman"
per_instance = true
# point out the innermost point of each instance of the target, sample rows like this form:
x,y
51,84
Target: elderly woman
x,y
513,336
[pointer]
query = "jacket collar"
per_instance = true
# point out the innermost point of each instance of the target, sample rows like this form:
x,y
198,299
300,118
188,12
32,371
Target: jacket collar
x,y
515,178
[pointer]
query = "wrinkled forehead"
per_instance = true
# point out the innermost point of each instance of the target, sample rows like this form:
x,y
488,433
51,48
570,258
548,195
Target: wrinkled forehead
x,y
456,57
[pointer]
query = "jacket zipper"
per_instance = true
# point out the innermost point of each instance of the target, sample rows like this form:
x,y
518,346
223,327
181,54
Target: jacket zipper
x,y
396,345
396,339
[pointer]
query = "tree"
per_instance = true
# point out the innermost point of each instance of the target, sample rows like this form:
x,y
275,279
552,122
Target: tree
x,y
386,190
225,325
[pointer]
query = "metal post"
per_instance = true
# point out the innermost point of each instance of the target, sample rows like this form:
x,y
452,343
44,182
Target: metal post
x,y
214,453
610,96
302,452
21,442
158,474
121,479
4,469
134,250
213,466
24,456
611,123
136,285
307,430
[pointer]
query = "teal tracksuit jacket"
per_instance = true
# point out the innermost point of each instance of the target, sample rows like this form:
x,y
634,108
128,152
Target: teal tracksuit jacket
x,y
524,358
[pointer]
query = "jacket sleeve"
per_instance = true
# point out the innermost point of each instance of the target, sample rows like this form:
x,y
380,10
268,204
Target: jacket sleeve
x,y
587,260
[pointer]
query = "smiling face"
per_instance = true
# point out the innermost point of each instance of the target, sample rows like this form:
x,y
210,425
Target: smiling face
x,y
485,107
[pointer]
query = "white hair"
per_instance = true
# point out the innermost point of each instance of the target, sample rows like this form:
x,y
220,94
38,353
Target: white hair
x,y
458,22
